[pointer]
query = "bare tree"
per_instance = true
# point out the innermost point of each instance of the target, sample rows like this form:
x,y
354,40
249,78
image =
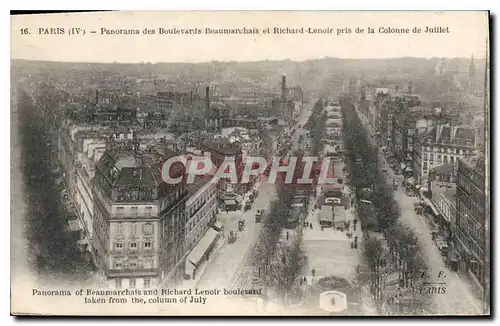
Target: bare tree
x,y
286,267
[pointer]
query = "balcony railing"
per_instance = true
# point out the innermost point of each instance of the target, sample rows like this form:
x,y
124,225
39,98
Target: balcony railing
x,y
132,272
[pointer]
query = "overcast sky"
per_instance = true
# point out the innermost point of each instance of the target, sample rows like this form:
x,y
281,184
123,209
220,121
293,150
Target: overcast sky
x,y
467,35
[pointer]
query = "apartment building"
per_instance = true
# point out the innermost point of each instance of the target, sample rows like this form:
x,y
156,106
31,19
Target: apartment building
x,y
441,144
139,221
201,217
471,206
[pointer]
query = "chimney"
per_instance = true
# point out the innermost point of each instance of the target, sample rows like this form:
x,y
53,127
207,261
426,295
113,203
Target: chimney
x,y
96,96
207,99
283,88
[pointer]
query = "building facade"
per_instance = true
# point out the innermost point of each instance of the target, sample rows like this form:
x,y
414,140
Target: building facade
x,y
441,144
139,221
201,211
471,204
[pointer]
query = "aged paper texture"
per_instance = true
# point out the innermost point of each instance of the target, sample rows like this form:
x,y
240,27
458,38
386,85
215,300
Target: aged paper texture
x,y
250,163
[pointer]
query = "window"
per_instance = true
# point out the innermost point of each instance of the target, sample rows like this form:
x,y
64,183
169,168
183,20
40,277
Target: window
x,y
132,263
149,210
118,245
120,229
431,158
133,245
148,262
132,283
147,245
133,229
147,229
147,282
120,211
118,283
118,264
135,210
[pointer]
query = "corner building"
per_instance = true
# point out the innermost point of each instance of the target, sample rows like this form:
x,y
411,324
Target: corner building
x,y
139,220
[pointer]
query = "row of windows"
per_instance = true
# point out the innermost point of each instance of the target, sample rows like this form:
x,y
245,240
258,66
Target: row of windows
x,y
132,283
133,263
133,229
119,246
439,158
134,211
449,150
134,194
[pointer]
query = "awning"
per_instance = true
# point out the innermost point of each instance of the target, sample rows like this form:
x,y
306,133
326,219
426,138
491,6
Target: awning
x,y
229,202
74,225
201,248
218,226
431,205
408,169
403,165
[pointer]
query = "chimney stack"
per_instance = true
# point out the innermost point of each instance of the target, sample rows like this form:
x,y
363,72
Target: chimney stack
x,y
207,99
283,88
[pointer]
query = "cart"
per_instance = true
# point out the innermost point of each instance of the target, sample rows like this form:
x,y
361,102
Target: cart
x,y
248,206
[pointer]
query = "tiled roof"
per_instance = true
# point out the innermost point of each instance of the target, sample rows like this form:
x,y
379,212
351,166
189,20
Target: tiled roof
x,y
128,168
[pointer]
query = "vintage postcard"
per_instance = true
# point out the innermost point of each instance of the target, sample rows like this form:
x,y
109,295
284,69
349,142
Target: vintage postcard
x,y
250,163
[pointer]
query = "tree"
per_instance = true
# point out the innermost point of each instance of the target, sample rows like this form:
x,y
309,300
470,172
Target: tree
x,y
287,267
403,254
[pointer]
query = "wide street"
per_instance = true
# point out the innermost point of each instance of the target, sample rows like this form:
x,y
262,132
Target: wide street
x,y
459,298
225,267
230,265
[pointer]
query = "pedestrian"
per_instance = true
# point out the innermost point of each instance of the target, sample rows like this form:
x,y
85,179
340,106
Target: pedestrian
x,y
311,226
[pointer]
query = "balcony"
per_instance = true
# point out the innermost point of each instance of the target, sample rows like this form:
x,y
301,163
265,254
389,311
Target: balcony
x,y
128,272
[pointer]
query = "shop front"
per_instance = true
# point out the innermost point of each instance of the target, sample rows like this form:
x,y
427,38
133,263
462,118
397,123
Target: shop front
x,y
200,254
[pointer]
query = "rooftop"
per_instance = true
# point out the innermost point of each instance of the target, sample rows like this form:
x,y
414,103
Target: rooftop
x,y
125,167
443,134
